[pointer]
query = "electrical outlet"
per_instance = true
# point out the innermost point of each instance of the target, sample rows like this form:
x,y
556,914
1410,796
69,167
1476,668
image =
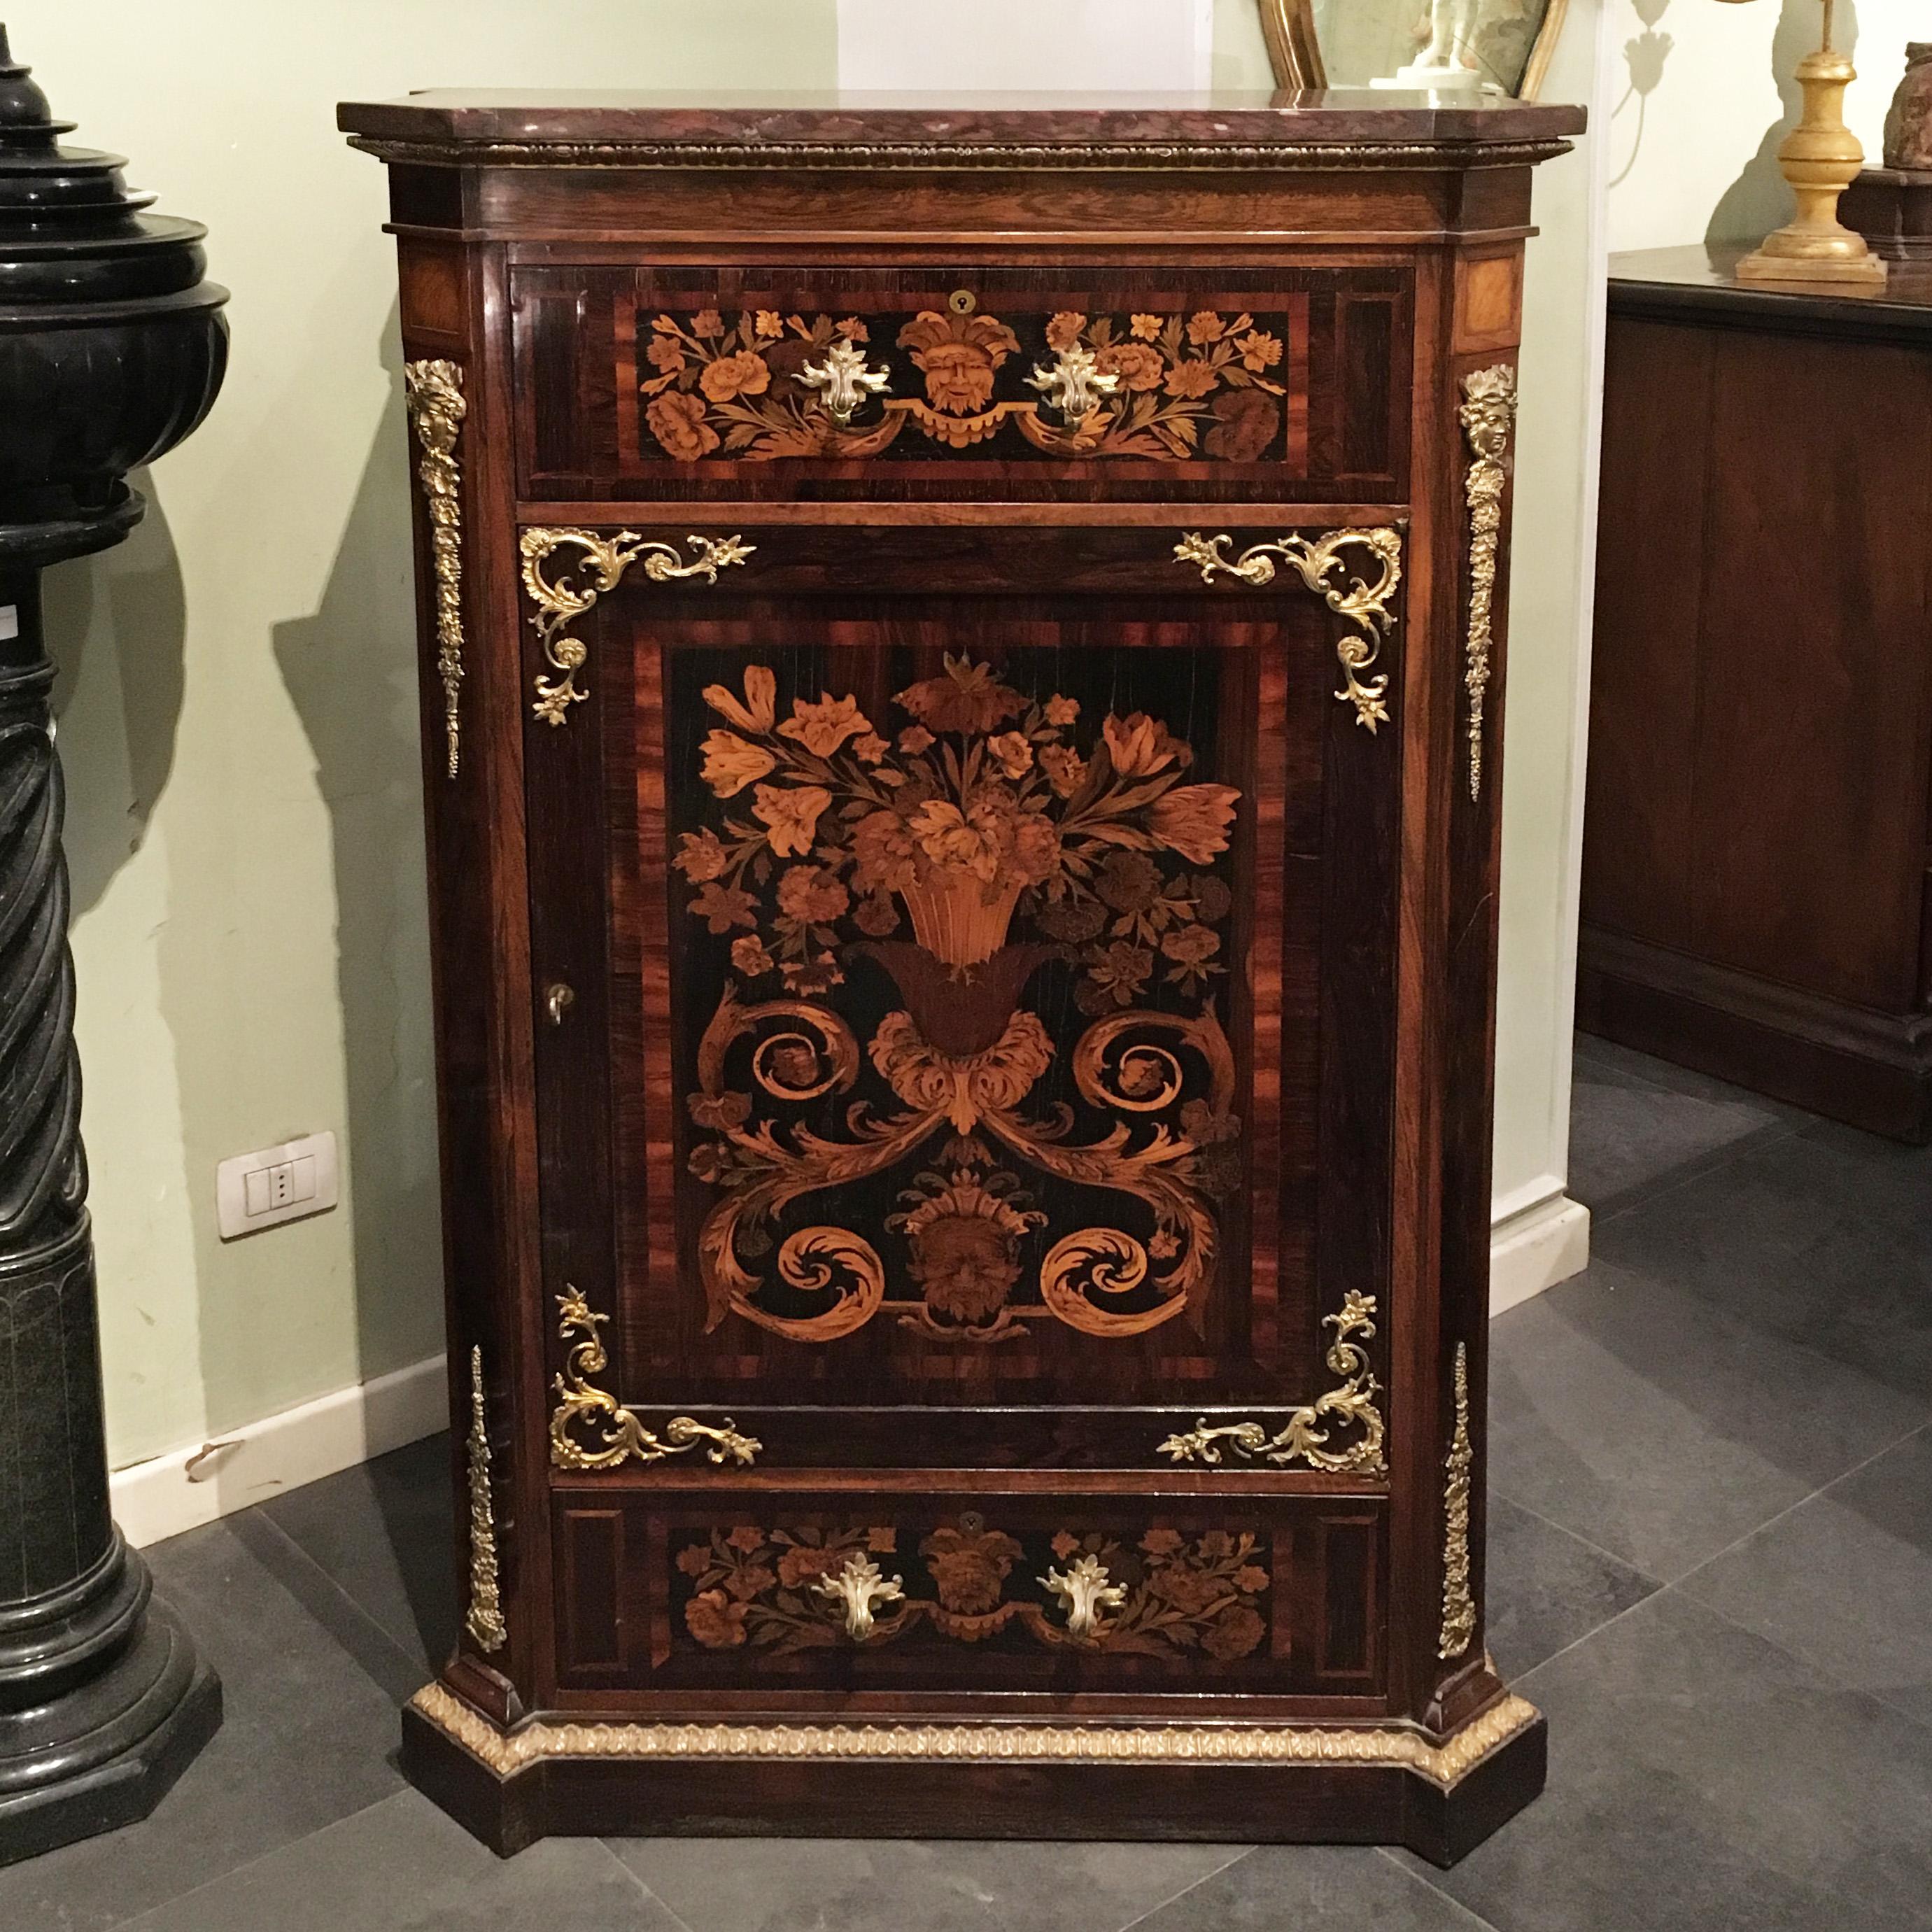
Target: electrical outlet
x,y
272,1185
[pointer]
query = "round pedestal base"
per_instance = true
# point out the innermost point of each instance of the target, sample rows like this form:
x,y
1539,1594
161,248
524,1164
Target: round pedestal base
x,y
105,1753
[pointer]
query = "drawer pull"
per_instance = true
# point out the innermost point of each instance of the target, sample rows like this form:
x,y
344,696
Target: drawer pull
x,y
843,381
558,1001
858,1587
1073,383
1084,1590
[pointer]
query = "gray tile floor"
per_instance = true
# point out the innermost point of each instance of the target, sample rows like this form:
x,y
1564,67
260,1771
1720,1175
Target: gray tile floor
x,y
1712,1566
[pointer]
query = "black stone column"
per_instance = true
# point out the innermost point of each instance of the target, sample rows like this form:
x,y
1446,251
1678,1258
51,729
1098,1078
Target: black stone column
x,y
111,349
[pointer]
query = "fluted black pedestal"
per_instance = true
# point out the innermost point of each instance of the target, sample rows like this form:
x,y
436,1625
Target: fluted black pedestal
x,y
102,1699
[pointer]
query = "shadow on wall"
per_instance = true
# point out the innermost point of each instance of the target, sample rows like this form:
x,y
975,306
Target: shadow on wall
x,y
1760,200
350,671
1644,57
145,625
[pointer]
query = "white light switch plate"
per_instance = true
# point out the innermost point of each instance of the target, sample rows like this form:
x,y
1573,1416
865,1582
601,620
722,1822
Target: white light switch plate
x,y
272,1185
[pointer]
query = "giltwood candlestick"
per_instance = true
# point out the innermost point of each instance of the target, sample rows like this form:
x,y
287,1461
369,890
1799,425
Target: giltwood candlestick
x,y
1820,157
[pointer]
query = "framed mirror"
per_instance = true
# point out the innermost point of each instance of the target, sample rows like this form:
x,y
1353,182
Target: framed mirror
x,y
1494,46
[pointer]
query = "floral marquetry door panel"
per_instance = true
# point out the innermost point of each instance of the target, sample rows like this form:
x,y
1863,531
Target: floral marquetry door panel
x,y
963,988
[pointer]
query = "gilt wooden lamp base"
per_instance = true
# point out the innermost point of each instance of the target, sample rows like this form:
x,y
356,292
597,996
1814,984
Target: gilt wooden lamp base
x,y
1849,272
937,1777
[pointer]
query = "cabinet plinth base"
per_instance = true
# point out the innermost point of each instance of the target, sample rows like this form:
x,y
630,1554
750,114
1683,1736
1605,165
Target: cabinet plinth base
x,y
1870,1070
1231,1782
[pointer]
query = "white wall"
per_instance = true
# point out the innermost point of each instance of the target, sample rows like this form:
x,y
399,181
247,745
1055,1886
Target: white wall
x,y
237,709
1542,1235
1704,95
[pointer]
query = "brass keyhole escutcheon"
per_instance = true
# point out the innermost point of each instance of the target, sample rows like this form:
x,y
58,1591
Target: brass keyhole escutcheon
x,y
558,1001
962,302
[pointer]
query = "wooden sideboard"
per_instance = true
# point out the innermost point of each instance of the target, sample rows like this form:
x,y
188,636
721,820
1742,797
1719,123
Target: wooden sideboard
x,y
962,675
1759,826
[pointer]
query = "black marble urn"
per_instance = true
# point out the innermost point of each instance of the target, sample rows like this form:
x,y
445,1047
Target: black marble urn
x,y
111,349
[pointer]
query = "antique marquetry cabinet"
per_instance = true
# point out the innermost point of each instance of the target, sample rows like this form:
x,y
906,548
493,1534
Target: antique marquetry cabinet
x,y
962,659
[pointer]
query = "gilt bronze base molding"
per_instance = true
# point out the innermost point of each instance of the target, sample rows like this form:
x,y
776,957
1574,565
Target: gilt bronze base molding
x,y
1389,1784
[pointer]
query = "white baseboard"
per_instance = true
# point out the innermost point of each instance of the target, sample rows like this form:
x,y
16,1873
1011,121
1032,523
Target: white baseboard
x,y
1536,1247
1531,1249
162,1497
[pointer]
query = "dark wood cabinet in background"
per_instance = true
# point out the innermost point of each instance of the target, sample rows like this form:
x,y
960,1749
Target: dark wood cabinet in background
x,y
962,676
1759,826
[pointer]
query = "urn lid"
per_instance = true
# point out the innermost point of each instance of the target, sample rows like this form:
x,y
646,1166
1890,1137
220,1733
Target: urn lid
x,y
71,232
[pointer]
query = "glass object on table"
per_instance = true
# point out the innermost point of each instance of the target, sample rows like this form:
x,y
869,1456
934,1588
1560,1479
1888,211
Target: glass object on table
x,y
1494,46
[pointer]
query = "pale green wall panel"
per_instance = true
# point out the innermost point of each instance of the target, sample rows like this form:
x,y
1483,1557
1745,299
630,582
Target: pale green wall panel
x,y
237,701
238,707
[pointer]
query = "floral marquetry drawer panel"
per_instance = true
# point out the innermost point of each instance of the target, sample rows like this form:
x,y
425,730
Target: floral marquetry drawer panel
x,y
755,384
963,663
1000,1592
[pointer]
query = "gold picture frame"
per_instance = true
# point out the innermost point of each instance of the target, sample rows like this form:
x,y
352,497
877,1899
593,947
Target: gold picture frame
x,y
1295,46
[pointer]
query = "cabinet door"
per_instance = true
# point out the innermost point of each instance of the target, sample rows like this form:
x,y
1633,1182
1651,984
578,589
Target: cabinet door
x,y
978,942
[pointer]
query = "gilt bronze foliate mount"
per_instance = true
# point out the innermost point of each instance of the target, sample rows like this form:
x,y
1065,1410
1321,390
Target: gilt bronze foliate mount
x,y
623,1438
560,599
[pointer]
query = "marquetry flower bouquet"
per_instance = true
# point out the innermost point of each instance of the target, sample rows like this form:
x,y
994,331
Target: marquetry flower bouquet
x,y
983,804
1180,385
736,384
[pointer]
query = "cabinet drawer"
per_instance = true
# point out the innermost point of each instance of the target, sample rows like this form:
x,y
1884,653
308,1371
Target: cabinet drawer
x,y
1020,1593
758,382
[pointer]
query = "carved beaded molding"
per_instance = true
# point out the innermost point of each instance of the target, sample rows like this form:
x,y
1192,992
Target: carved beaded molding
x,y
531,1743
1229,156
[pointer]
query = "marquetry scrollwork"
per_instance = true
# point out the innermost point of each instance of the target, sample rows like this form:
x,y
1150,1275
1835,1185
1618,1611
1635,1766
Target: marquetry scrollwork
x,y
1182,385
484,1620
1367,607
580,1403
776,1590
1459,1604
434,392
1306,1436
1488,416
561,598
959,858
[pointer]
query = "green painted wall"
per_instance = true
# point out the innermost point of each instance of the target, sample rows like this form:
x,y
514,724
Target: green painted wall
x,y
238,709
237,706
